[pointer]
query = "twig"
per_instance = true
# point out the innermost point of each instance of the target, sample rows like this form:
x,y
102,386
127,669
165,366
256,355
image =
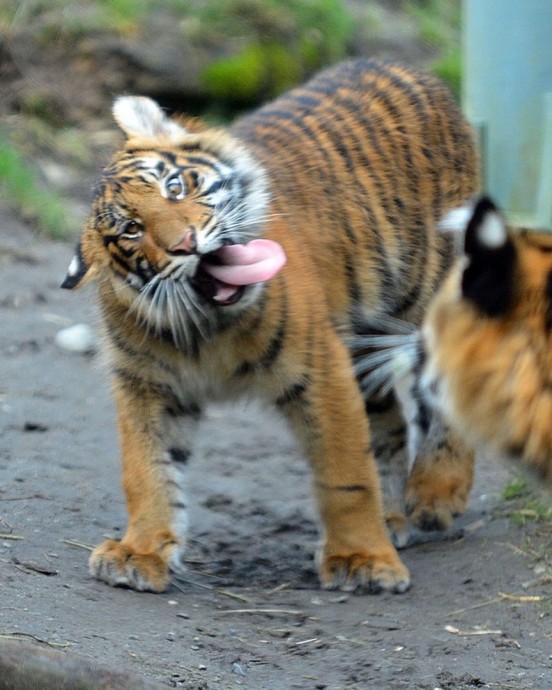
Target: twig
x,y
218,590
73,542
19,635
352,640
13,537
266,612
35,567
523,552
277,589
496,600
30,497
467,633
309,641
520,598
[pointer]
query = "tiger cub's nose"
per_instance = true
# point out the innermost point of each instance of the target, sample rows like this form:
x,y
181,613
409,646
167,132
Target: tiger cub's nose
x,y
187,245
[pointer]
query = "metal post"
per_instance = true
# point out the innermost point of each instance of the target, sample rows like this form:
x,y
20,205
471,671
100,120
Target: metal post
x,y
507,95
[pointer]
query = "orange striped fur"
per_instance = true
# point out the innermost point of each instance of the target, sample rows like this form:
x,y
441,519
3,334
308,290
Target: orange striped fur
x,y
488,339
349,174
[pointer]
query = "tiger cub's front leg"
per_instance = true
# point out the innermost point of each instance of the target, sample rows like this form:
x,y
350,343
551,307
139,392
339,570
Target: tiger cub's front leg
x,y
153,481
328,413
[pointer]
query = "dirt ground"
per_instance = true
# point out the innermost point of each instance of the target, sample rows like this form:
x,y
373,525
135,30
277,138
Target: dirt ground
x,y
249,613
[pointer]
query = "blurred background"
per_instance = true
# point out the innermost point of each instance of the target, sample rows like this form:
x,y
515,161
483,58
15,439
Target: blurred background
x,y
62,62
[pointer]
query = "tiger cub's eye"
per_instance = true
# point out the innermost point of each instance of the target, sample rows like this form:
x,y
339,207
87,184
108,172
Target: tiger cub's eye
x,y
132,229
175,187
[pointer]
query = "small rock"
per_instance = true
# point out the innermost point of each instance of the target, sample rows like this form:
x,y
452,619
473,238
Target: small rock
x,y
238,669
78,338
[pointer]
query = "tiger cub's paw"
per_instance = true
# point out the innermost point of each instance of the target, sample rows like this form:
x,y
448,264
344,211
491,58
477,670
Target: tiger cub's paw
x,y
120,565
398,528
436,495
364,572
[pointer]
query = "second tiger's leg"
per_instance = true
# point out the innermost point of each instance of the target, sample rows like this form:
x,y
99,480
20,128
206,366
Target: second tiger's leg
x,y
441,478
389,446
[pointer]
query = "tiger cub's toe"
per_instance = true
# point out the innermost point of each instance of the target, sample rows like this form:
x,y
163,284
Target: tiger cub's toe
x,y
365,573
433,505
121,566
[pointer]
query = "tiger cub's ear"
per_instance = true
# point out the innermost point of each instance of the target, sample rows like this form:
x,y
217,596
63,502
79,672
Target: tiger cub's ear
x,y
142,117
488,280
78,272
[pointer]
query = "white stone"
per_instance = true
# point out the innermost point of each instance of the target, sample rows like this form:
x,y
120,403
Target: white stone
x,y
78,338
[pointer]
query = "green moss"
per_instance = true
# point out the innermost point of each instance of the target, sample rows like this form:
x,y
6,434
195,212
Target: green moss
x,y
259,70
449,69
240,75
19,186
283,42
438,25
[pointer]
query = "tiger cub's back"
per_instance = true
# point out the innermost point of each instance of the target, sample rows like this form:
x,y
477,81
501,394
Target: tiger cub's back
x,y
384,151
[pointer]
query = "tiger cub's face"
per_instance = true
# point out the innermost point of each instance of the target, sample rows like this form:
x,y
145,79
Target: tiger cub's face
x,y
164,212
485,351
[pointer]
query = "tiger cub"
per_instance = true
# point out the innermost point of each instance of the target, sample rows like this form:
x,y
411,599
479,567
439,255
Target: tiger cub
x,y
238,261
483,357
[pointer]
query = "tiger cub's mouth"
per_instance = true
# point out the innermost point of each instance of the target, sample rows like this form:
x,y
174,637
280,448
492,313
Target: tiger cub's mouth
x,y
215,290
223,276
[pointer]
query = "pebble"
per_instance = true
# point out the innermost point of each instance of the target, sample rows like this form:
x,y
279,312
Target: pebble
x,y
78,338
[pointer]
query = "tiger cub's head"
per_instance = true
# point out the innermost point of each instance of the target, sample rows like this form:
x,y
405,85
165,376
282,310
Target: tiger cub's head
x,y
487,341
175,205
483,356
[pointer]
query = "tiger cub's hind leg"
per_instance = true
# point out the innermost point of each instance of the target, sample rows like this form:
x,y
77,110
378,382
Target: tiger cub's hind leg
x,y
389,446
153,481
441,478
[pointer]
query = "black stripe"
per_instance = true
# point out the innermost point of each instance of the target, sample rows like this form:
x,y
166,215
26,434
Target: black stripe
x,y
293,393
174,406
252,319
344,133
548,302
268,357
380,405
179,455
345,487
271,351
178,408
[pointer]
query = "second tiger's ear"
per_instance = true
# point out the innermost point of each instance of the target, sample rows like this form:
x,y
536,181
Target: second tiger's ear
x,y
488,280
79,271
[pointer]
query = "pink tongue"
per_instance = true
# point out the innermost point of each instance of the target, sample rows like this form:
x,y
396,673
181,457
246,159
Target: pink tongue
x,y
245,264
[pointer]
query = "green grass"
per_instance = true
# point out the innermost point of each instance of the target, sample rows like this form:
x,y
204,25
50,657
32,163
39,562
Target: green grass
x,y
19,187
526,503
280,42
65,19
439,26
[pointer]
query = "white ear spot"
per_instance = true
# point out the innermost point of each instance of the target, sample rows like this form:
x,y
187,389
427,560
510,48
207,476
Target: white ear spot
x,y
139,116
492,231
74,267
